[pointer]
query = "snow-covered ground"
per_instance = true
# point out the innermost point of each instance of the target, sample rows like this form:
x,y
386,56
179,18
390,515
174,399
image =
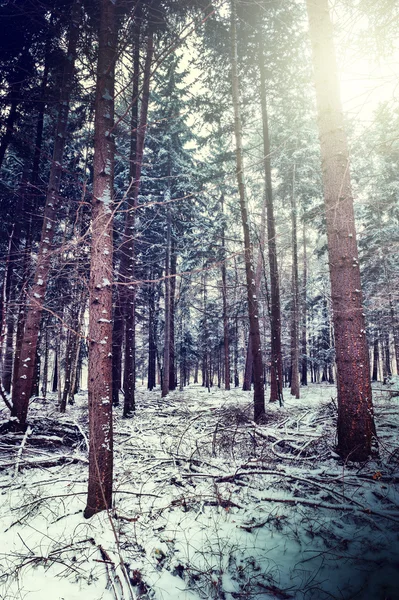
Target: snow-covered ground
x,y
207,504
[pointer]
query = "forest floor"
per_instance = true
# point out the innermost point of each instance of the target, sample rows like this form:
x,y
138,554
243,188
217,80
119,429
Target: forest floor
x,y
207,504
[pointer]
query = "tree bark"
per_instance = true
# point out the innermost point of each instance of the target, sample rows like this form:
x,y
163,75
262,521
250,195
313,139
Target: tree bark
x,y
99,495
355,411
276,367
25,368
253,309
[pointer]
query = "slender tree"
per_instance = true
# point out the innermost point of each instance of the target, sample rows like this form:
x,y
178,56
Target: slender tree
x,y
253,309
276,381
100,292
25,368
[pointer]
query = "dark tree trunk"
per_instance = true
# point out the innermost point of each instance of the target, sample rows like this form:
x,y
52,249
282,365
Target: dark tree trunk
x,y
376,356
387,359
128,258
100,292
54,386
253,309
356,427
276,367
24,375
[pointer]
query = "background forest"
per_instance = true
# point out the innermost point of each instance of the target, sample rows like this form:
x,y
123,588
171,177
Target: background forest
x,y
170,188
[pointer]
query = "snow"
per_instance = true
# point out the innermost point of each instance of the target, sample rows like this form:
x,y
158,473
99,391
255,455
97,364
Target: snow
x,y
207,504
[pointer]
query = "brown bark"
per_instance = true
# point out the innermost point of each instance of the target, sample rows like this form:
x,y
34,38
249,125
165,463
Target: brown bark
x,y
24,375
100,293
276,367
355,411
253,309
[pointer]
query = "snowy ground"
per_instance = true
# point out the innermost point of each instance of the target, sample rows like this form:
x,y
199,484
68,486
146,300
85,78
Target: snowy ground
x,y
207,504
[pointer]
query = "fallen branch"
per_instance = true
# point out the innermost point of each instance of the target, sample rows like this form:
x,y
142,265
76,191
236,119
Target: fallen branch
x,y
20,450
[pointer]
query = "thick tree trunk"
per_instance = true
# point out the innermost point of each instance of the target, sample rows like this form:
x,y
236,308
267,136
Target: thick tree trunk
x,y
355,411
25,368
276,367
100,292
294,297
253,309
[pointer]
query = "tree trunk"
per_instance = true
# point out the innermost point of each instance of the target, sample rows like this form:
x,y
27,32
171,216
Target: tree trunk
x,y
294,297
375,358
166,354
172,367
24,375
355,411
152,348
276,368
128,258
253,309
226,342
100,292
304,362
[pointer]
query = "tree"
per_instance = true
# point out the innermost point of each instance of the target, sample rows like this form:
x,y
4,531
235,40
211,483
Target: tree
x,y
253,311
25,368
99,495
355,411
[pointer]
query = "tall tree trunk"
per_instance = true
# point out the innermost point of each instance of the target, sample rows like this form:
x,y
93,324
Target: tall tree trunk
x,y
294,297
128,257
356,426
304,362
276,368
225,317
25,367
166,354
248,374
375,357
172,366
99,495
152,348
253,309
